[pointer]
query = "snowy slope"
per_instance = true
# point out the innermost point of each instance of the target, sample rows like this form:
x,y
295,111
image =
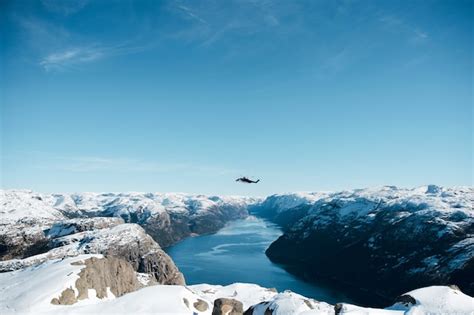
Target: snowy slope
x,y
30,291
18,204
290,303
431,300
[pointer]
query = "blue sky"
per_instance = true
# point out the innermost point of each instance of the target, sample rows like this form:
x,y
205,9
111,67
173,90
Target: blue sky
x,y
188,95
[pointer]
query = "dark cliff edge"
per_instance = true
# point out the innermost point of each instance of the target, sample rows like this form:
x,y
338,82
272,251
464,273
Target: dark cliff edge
x,y
169,228
377,252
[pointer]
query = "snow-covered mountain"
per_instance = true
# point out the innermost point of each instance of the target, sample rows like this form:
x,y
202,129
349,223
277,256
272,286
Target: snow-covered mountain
x,y
167,217
367,238
97,252
85,285
17,204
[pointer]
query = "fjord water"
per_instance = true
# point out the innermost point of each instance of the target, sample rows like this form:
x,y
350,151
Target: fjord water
x,y
237,254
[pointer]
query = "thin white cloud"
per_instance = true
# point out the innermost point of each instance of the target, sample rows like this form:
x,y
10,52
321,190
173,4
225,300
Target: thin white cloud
x,y
191,14
68,58
56,47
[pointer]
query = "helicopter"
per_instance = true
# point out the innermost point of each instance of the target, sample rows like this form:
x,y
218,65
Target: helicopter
x,y
246,180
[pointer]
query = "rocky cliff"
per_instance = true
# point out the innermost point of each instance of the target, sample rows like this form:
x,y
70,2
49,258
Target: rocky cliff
x,y
369,238
128,242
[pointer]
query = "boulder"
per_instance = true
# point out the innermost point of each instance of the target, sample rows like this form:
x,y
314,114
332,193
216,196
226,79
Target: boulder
x,y
406,300
201,305
225,306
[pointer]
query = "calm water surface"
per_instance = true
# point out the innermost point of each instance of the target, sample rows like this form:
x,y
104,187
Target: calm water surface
x,y
237,254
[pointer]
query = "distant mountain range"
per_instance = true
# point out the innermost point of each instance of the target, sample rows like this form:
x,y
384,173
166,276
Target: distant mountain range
x,y
385,240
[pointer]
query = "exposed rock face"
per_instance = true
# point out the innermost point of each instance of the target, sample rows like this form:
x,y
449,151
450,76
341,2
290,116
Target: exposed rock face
x,y
126,241
169,228
22,238
276,207
67,297
408,238
225,306
108,272
101,274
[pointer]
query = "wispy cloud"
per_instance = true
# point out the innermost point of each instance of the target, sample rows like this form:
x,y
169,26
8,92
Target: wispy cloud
x,y
69,58
210,21
57,48
57,45
191,14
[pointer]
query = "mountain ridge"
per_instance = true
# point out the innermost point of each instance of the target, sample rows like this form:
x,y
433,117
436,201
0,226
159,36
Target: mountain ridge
x,y
37,229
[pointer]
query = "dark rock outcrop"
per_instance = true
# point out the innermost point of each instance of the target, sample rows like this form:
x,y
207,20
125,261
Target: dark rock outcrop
x,y
169,228
265,305
405,300
23,238
225,306
338,308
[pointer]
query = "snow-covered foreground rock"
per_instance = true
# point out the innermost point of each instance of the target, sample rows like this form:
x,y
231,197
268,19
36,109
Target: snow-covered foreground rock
x,y
386,240
90,290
